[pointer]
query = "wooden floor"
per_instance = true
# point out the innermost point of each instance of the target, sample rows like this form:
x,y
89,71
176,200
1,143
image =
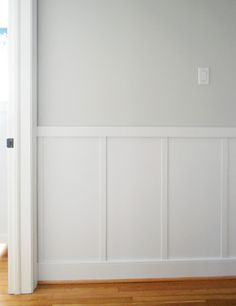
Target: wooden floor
x,y
166,293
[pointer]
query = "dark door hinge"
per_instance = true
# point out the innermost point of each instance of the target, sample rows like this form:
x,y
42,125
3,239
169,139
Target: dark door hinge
x,y
10,142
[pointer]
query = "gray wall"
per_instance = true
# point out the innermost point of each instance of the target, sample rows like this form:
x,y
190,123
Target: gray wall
x,y
134,62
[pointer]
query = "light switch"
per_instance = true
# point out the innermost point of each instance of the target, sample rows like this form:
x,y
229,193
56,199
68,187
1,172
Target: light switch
x,y
203,76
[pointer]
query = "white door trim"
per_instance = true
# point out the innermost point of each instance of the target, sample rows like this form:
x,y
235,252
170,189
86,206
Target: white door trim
x,y
22,158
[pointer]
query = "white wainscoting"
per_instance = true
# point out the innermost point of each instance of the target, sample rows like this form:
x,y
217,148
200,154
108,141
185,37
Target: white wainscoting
x,y
136,202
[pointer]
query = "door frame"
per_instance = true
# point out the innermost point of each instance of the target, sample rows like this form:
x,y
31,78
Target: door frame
x,y
22,127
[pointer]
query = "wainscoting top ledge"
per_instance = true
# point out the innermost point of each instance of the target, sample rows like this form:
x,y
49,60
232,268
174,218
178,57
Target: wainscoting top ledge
x,y
201,132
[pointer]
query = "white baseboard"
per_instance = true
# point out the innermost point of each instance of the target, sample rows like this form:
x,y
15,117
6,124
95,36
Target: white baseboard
x,y
3,238
128,270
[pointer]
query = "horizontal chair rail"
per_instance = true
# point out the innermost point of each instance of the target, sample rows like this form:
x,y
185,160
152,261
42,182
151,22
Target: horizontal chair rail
x,y
185,132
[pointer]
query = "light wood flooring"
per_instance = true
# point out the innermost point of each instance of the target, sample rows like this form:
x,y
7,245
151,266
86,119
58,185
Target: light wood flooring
x,y
213,292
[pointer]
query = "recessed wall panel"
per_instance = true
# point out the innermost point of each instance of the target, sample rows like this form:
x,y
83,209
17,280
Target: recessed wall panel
x,y
194,198
134,198
68,199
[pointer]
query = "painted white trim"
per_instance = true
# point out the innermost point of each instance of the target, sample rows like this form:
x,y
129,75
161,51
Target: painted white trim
x,y
34,139
224,196
164,196
3,238
28,123
103,198
202,132
21,126
122,270
41,197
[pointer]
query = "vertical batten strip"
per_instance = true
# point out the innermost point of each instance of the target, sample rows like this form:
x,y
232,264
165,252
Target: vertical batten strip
x,y
164,197
40,198
103,197
224,196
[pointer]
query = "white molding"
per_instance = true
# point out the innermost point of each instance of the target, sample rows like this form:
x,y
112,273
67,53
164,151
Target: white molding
x,y
3,238
164,196
103,198
53,271
41,199
21,126
224,196
201,132
34,138
27,120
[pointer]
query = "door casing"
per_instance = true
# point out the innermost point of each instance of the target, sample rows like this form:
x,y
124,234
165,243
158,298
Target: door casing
x,y
22,124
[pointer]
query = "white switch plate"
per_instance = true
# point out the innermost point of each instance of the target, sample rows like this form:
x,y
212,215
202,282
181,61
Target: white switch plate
x,y
203,76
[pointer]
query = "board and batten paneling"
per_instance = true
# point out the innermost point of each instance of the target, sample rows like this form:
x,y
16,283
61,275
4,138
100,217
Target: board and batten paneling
x,y
136,202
